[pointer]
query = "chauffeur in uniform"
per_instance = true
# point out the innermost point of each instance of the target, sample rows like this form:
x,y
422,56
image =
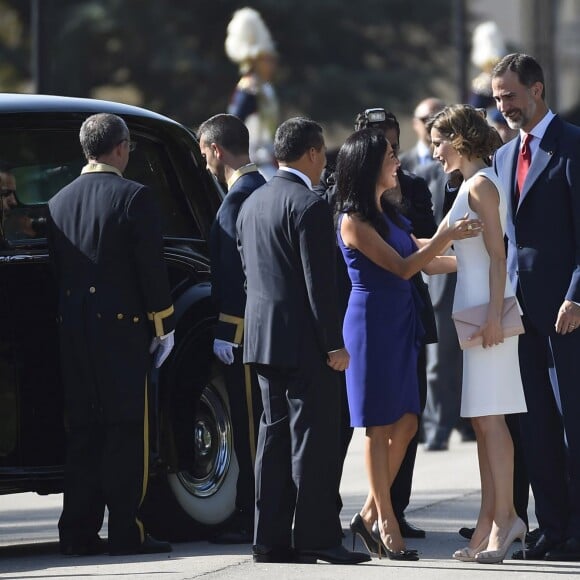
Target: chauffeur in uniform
x,y
114,310
224,141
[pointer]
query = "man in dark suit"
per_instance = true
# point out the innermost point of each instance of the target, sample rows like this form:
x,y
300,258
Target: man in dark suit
x,y
540,170
294,340
114,310
224,142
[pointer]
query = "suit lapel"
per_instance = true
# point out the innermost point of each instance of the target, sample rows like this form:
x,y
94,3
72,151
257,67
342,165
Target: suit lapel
x,y
509,171
541,157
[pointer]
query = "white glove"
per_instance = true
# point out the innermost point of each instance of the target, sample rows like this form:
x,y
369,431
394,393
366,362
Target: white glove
x,y
224,350
161,347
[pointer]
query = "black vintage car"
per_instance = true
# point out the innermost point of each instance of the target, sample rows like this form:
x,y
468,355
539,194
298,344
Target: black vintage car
x,y
193,467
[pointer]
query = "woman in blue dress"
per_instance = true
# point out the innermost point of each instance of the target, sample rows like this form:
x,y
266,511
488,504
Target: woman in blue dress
x,y
382,328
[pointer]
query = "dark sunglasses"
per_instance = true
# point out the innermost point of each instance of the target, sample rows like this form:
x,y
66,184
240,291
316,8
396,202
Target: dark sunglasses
x,y
7,192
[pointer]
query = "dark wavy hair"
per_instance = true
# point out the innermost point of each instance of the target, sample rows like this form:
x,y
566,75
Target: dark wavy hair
x,y
467,130
358,167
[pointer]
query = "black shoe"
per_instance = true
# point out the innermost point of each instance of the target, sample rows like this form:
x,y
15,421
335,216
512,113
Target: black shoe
x,y
537,551
409,530
568,551
266,554
92,548
358,528
408,555
337,555
149,546
532,537
466,533
234,536
436,445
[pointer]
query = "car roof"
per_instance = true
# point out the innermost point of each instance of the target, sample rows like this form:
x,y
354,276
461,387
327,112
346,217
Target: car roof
x,y
26,103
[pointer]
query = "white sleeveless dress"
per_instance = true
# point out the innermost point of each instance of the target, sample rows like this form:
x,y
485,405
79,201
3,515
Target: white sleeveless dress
x,y
492,384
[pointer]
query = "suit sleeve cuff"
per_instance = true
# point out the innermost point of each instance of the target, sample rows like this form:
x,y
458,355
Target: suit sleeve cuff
x,y
163,321
230,328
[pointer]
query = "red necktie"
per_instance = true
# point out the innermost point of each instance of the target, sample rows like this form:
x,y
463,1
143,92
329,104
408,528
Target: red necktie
x,y
524,162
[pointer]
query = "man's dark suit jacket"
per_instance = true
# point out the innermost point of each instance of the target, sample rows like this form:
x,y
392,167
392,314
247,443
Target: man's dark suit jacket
x,y
286,238
106,243
544,235
227,274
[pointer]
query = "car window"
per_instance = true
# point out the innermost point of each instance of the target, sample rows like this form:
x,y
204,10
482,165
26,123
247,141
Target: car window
x,y
35,165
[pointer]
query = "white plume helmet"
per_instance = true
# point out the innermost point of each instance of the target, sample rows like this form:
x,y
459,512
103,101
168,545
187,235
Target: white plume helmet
x,y
488,45
248,36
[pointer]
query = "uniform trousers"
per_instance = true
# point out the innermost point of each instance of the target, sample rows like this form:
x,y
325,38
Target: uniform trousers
x,y
106,465
246,410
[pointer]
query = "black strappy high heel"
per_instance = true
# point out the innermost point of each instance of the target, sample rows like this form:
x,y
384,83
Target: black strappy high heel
x,y
408,555
358,528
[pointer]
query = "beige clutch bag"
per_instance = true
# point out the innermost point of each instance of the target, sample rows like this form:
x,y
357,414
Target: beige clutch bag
x,y
468,321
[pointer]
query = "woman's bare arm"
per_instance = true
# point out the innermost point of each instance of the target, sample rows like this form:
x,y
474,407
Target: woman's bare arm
x,y
361,235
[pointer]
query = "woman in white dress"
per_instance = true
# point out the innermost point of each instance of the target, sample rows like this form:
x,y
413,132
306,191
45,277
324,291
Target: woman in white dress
x,y
492,387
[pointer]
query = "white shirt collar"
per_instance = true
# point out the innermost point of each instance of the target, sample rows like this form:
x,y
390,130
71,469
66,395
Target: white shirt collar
x,y
539,130
301,175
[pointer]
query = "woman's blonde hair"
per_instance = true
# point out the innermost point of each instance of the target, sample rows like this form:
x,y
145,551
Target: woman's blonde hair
x,y
467,130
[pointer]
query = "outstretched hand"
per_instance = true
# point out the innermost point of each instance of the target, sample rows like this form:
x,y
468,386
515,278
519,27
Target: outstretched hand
x,y
465,228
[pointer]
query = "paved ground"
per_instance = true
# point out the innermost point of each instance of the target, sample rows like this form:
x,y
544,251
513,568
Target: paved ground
x,y
445,497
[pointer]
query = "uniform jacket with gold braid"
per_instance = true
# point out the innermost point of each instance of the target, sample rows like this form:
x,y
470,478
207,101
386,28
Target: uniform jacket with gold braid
x,y
106,244
228,292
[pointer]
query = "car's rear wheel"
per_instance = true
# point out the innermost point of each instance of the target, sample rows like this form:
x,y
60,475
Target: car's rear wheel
x,y
207,492
190,501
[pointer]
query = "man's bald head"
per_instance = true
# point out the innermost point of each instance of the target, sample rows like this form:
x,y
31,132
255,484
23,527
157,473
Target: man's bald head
x,y
423,112
428,107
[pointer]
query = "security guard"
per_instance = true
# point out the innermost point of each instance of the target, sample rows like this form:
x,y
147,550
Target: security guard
x,y
115,309
224,141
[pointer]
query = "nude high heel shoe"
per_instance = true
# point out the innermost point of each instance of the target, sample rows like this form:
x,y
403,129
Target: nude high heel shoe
x,y
517,530
468,554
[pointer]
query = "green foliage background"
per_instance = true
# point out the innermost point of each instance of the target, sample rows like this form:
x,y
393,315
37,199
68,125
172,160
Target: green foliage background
x,y
336,56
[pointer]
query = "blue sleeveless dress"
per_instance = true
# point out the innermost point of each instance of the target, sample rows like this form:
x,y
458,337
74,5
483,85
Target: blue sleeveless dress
x,y
383,334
